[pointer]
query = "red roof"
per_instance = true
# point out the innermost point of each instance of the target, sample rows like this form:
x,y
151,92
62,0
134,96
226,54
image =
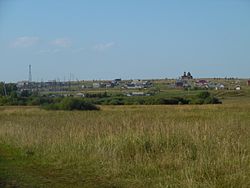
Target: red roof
x,y
202,81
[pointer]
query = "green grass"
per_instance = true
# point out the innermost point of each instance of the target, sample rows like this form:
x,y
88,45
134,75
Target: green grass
x,y
126,146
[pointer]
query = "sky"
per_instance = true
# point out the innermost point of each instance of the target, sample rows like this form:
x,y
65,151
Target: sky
x,y
128,39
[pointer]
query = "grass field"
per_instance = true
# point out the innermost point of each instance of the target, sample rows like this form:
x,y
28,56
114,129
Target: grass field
x,y
126,146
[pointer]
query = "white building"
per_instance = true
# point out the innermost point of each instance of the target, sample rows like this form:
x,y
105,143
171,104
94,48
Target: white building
x,y
96,85
237,88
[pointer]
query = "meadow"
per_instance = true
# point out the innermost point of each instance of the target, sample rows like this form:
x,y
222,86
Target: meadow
x,y
126,146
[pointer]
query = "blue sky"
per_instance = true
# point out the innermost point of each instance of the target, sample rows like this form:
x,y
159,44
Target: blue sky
x,y
106,39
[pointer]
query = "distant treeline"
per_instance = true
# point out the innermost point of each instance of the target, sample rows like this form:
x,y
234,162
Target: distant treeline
x,y
7,89
90,100
201,98
9,95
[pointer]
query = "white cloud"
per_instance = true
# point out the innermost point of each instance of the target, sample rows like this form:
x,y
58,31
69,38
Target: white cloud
x,y
24,42
62,42
104,46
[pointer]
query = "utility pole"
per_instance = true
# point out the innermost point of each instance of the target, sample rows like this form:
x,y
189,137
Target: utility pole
x,y
30,74
30,79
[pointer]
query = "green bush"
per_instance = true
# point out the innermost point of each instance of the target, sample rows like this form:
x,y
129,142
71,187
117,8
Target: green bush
x,y
205,98
52,106
71,104
116,101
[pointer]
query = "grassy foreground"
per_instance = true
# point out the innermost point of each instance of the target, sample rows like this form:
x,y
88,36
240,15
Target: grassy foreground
x,y
126,146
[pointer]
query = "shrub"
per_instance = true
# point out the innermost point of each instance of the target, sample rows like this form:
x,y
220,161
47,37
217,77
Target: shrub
x,y
55,106
205,98
116,101
71,104
76,104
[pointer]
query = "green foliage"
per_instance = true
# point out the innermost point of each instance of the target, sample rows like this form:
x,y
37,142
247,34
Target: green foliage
x,y
71,104
25,93
57,102
96,95
10,88
205,98
8,100
141,100
43,100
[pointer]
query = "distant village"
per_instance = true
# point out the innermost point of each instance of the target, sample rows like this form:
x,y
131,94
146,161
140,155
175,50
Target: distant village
x,y
136,87
187,81
73,86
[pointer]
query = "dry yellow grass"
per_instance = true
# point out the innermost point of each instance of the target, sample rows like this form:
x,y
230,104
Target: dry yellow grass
x,y
130,146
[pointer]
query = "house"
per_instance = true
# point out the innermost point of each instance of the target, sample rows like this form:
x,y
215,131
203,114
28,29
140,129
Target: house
x,y
202,83
96,85
147,84
238,88
79,95
66,95
118,80
179,83
109,85
182,84
220,87
136,93
22,84
135,84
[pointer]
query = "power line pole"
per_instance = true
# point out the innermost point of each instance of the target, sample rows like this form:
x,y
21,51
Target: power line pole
x,y
30,74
